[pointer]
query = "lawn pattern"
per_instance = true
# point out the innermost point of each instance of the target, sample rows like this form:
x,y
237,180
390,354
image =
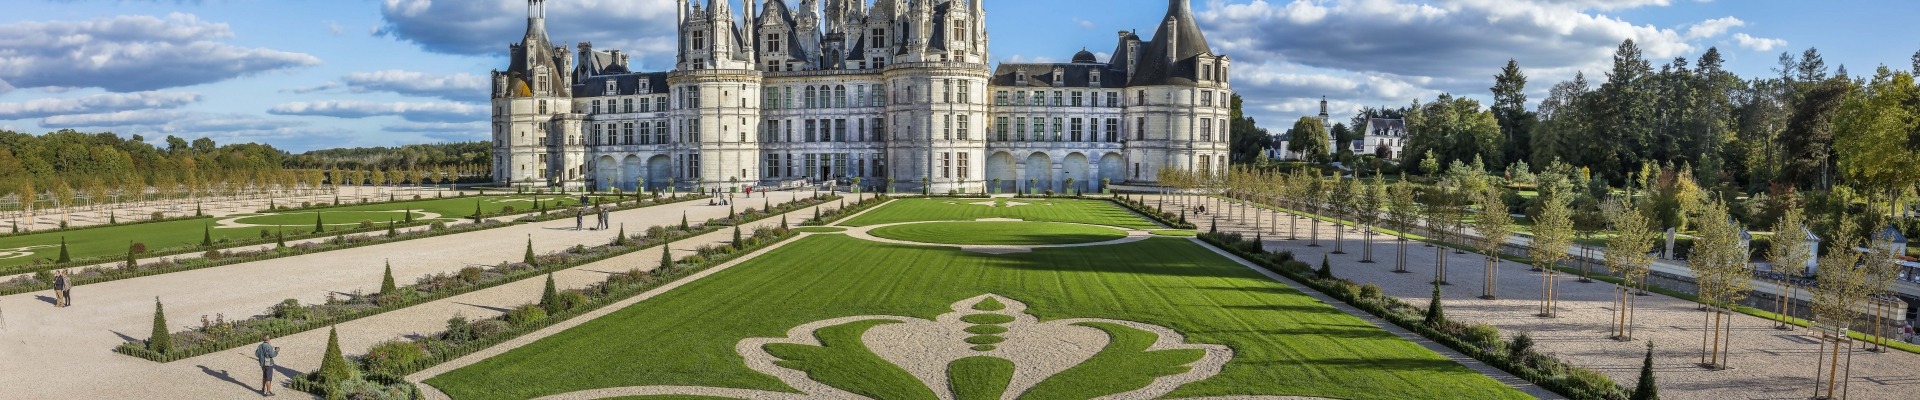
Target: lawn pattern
x,y
1284,342
1096,212
998,233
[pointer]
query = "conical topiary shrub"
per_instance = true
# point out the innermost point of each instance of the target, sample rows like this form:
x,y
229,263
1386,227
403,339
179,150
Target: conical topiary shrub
x,y
620,239
333,366
131,262
206,236
64,258
1646,390
736,238
783,222
1434,315
318,226
387,287
161,340
1326,269
548,296
683,220
529,256
666,259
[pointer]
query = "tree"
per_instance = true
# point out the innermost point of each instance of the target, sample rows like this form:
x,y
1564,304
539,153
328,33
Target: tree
x,y
1510,111
1552,236
1645,390
1372,198
666,259
549,295
1342,203
334,368
161,340
1494,225
737,244
1434,315
1429,163
1843,287
319,223
131,261
1628,256
1404,212
683,219
1623,110
1326,269
64,258
206,236
387,286
1309,138
1871,136
528,257
1455,129
1721,271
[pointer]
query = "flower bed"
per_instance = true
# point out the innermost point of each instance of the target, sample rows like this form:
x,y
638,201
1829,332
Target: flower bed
x,y
377,372
1480,341
217,257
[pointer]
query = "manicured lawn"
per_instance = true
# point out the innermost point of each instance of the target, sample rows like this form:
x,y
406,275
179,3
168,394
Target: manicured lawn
x,y
305,219
820,229
1097,212
113,240
1176,232
1283,342
999,233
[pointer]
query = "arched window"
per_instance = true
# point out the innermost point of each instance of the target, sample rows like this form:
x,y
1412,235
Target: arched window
x,y
840,96
809,97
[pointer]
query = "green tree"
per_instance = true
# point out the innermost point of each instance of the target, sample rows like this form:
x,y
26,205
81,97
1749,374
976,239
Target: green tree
x,y
161,340
334,368
528,257
131,261
1457,129
1645,390
1435,316
64,257
1326,269
548,295
1494,225
737,244
1871,137
1624,112
1552,235
1249,140
666,259
1404,211
387,286
319,224
1510,111
1721,272
206,236
1309,138
1789,252
1372,198
1628,255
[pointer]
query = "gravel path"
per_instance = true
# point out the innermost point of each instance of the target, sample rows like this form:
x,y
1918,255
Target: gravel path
x,y
45,219
865,233
65,353
1767,363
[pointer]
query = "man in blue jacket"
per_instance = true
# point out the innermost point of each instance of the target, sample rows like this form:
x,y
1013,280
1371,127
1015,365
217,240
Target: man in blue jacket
x,y
265,353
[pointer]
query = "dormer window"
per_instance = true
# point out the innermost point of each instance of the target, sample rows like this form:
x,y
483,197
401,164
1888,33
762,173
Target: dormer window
x,y
1020,77
1206,72
613,88
878,40
698,40
1094,77
773,42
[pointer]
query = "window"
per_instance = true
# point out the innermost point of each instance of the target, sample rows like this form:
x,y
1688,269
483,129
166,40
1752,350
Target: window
x,y
1020,129
543,106
1076,98
946,90
1206,98
786,97
660,104
963,128
809,97
773,165
959,34
1223,129
840,97
1059,98
1206,72
1113,130
596,107
1094,78
660,132
1075,133
811,127
613,88
946,165
1113,99
698,39
1140,128
964,164
877,63
946,127
693,166
1206,129
1020,97
1039,98
840,130
1140,97
879,129
1000,97
628,104
773,42
878,40
1136,170
859,95
694,96
1000,129
1039,129
627,134
879,95
966,92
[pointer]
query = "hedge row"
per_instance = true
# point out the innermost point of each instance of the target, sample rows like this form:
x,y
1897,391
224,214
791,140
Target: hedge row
x,y
1165,218
386,362
1482,342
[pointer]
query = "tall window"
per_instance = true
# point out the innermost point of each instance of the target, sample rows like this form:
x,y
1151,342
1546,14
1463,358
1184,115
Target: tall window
x,y
966,92
1113,130
840,130
1020,97
1075,133
773,42
1113,99
946,165
1057,124
628,104
699,39
660,104
963,128
660,132
1059,98
811,126
1000,128
1206,129
1077,102
840,97
1000,97
964,164
773,165
946,127
1140,97
626,136
1140,128
1039,129
596,107
1020,128
946,90
809,97
878,39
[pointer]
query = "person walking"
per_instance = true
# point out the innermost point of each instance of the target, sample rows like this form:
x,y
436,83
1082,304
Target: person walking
x,y
606,218
265,353
578,224
67,293
60,289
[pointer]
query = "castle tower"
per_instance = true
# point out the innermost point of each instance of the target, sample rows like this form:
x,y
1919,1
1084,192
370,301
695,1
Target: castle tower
x,y
716,104
1177,101
939,103
535,131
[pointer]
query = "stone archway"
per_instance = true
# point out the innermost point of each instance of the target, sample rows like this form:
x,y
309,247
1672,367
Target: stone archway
x,y
606,174
630,173
659,171
1000,166
1113,168
1074,166
1039,172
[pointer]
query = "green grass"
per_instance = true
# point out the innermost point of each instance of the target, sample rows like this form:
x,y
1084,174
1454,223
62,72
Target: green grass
x,y
999,233
820,229
112,241
1284,342
1097,212
305,219
1175,232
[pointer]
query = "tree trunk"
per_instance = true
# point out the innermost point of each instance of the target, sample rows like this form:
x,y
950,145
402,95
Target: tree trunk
x,y
1492,278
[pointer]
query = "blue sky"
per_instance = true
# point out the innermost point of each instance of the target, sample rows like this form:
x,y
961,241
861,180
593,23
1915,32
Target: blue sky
x,y
306,74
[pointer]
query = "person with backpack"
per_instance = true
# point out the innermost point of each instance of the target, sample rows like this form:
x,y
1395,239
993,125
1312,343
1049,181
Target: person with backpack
x,y
265,352
60,288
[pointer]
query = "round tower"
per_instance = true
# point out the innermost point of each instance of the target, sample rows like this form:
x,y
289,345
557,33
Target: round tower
x,y
1178,102
937,107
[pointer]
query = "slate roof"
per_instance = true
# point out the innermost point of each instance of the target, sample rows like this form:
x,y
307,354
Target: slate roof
x,y
1041,74
1386,127
627,84
1154,67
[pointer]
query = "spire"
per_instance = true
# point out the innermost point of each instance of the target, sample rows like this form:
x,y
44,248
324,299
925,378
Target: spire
x,y
536,22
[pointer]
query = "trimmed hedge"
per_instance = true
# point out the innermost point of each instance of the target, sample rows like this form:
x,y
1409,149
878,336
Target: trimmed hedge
x,y
1482,342
1168,219
463,337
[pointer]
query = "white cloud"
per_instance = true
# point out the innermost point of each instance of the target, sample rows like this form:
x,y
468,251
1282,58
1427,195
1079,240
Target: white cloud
x,y
459,86
417,112
112,119
1757,43
484,27
99,103
437,127
1084,24
313,89
1713,27
131,53
336,29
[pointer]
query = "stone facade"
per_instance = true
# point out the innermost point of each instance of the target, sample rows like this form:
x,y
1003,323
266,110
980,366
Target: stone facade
x,y
893,91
